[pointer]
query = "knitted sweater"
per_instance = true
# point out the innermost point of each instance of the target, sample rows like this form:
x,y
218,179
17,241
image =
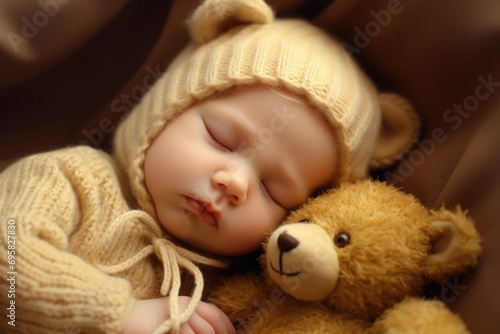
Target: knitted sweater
x,y
75,255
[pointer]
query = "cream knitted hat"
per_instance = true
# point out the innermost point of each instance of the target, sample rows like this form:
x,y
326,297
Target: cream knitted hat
x,y
238,42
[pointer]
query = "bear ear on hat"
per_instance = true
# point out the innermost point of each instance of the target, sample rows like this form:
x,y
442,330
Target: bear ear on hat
x,y
214,17
400,127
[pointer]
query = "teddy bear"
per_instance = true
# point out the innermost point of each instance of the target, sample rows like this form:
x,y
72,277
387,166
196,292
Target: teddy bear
x,y
355,259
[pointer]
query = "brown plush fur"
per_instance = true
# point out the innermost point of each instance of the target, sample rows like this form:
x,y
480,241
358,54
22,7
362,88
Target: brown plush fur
x,y
396,247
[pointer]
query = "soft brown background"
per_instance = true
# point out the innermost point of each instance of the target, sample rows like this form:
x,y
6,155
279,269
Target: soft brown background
x,y
83,67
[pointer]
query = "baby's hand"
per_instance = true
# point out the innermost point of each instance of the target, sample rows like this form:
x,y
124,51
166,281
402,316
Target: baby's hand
x,y
148,315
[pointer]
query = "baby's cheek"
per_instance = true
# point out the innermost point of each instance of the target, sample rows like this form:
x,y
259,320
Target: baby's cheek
x,y
270,218
253,221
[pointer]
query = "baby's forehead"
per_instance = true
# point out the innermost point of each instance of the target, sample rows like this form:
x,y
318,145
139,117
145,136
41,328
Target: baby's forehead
x,y
257,89
276,104
288,95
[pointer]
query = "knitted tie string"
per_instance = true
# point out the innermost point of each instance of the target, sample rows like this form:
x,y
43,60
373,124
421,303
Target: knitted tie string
x,y
173,258
156,235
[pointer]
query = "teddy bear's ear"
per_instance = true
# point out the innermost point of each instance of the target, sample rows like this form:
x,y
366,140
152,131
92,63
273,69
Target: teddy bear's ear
x,y
213,17
455,244
399,130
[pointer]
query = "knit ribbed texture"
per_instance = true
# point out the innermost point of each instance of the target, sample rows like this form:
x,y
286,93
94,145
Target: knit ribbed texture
x,y
291,54
81,255
58,292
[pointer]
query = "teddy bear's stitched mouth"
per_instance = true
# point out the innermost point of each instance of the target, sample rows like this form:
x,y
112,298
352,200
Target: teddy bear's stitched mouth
x,y
282,273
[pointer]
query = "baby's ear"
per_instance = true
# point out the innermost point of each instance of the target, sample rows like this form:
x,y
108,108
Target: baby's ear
x,y
214,17
399,130
455,244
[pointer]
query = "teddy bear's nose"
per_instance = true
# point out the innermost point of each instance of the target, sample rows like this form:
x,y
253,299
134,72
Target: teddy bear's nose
x,y
286,242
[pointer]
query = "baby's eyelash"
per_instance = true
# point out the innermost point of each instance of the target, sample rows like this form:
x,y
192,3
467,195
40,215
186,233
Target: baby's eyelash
x,y
268,196
214,140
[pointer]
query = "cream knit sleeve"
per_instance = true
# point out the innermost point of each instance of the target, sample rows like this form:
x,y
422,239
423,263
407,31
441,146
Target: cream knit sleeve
x,y
49,289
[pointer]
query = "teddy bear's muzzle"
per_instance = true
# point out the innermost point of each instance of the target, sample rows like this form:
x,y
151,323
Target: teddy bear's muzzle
x,y
302,260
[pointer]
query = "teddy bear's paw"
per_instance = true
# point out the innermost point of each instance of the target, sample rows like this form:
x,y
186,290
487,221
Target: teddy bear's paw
x,y
238,296
418,316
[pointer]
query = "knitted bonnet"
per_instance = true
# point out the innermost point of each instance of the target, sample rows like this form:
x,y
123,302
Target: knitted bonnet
x,y
238,43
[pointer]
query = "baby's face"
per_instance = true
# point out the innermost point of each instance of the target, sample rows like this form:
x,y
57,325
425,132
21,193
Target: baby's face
x,y
227,170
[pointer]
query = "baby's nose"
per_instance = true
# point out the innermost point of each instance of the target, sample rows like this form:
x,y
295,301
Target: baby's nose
x,y
234,184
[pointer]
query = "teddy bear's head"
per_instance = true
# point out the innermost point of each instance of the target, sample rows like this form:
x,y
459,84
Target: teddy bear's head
x,y
364,246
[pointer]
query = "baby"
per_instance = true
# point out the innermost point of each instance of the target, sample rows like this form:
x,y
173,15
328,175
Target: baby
x,y
252,118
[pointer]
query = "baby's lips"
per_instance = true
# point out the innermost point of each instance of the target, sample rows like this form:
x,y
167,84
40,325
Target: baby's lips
x,y
208,214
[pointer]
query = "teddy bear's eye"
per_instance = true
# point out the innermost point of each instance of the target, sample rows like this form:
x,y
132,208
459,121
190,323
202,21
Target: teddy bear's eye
x,y
342,239
305,221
